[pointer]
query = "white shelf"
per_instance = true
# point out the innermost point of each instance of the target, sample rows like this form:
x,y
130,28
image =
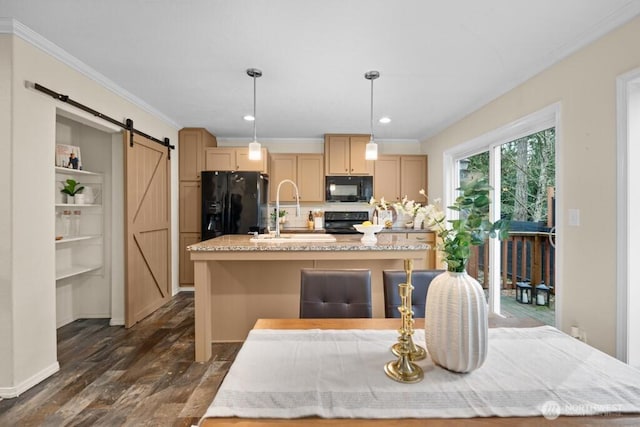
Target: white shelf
x,y
76,270
76,239
68,171
74,205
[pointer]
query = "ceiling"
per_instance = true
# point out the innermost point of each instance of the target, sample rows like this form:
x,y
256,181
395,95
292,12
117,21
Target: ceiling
x,y
438,60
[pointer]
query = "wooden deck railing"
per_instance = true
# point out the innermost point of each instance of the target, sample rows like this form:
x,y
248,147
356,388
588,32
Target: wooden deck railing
x,y
526,256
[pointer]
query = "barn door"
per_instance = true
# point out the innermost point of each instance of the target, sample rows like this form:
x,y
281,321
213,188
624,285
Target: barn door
x,y
147,228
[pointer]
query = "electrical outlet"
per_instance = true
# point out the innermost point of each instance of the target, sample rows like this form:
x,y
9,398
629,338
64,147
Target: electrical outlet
x,y
575,332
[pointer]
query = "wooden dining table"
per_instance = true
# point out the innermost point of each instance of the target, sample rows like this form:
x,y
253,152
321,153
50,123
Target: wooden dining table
x,y
382,324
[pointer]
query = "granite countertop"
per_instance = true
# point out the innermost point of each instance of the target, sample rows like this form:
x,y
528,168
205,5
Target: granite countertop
x,y
322,230
344,242
404,230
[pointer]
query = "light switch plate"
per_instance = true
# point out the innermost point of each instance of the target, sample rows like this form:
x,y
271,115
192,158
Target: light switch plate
x,y
574,217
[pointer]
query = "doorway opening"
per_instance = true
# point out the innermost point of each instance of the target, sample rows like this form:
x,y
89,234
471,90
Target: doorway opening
x,y
628,231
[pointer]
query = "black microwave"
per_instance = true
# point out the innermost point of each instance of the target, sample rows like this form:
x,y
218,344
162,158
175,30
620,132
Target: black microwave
x,y
348,188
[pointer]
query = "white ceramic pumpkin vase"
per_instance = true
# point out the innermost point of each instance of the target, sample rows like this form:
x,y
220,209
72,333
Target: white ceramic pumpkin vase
x,y
456,324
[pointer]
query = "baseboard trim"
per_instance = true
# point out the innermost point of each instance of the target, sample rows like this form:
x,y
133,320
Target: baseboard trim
x,y
12,392
116,321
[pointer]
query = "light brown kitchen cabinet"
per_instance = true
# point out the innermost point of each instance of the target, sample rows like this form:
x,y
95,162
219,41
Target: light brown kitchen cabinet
x,y
430,260
386,178
396,176
413,177
193,141
191,147
234,159
344,155
306,170
186,265
190,206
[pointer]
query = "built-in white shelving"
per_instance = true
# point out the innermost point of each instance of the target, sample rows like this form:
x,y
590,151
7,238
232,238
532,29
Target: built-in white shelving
x,y
68,171
81,252
76,239
75,270
83,263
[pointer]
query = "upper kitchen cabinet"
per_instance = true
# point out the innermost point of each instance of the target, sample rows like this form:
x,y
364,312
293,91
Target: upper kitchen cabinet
x,y
234,159
306,170
396,176
386,178
345,155
413,177
193,142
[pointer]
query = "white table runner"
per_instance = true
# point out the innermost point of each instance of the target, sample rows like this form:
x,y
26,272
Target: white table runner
x,y
339,374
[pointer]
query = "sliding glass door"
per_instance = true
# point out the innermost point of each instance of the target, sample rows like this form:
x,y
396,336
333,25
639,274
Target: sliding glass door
x,y
521,170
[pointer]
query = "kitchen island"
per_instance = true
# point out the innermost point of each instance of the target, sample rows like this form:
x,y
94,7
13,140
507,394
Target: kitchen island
x,y
238,281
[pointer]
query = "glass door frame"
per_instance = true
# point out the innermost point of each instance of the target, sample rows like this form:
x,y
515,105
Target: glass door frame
x,y
492,141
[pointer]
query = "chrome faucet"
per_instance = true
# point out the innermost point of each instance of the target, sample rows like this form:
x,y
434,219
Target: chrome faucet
x,y
278,203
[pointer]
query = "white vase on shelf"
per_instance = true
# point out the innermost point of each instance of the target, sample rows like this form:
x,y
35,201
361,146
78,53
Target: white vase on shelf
x,y
70,200
79,199
456,322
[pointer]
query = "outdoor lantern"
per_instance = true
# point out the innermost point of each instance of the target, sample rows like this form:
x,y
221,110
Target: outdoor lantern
x,y
541,294
523,293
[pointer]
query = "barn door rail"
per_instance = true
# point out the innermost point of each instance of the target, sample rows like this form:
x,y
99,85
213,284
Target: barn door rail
x,y
128,124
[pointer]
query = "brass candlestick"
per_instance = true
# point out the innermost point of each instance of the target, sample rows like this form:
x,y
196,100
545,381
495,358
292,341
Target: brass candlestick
x,y
404,370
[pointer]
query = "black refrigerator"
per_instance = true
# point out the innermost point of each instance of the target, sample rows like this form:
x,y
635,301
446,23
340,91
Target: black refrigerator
x,y
234,203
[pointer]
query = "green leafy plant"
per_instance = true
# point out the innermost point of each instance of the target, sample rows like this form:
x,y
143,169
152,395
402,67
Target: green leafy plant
x,y
281,214
472,227
72,187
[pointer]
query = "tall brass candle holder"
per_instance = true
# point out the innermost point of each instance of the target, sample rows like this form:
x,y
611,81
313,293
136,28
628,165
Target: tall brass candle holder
x,y
404,370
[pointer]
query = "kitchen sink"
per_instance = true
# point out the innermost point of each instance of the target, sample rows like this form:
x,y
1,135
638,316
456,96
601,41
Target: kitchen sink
x,y
296,237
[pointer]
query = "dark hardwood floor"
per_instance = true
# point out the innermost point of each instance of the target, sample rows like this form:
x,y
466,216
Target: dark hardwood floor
x,y
112,376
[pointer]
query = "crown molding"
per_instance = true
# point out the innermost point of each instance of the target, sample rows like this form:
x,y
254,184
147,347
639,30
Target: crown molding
x,y
12,26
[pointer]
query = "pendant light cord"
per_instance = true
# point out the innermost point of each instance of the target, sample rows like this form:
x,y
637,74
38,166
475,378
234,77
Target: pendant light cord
x,y
255,138
372,109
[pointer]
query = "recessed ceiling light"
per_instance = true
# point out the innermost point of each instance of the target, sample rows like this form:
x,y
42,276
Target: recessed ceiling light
x,y
249,118
385,120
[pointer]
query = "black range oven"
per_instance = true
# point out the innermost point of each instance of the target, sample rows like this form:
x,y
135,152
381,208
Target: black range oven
x,y
338,222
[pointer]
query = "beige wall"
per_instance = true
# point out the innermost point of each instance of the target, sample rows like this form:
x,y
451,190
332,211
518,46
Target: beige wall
x,y
31,339
6,320
585,86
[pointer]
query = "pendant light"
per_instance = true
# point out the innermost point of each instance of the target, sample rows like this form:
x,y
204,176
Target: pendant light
x,y
255,150
371,152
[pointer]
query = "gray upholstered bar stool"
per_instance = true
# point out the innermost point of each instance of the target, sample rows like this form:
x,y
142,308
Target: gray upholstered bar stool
x,y
420,279
335,293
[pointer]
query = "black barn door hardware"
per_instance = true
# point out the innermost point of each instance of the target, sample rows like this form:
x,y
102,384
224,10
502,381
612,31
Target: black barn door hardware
x,y
128,125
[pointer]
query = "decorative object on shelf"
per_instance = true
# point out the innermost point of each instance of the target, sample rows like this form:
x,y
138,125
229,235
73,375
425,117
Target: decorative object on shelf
x,y
369,230
371,150
404,370
71,189
66,223
75,223
386,212
255,149
456,319
317,220
68,156
89,195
